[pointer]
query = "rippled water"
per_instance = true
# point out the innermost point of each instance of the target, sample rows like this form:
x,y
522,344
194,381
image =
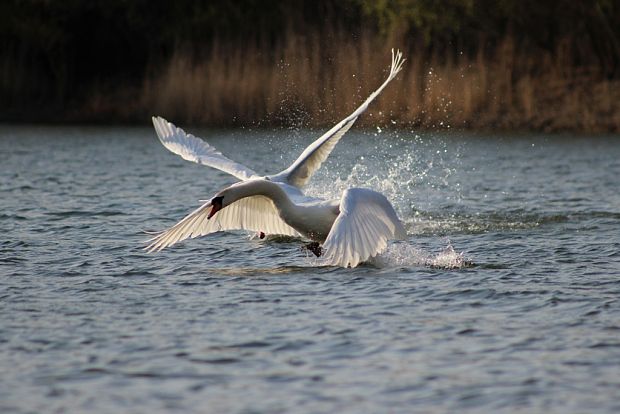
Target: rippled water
x,y
90,323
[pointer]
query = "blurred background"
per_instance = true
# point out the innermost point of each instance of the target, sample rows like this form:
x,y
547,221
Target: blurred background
x,y
477,64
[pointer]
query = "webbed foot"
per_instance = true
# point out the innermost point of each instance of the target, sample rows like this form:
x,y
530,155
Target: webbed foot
x,y
315,248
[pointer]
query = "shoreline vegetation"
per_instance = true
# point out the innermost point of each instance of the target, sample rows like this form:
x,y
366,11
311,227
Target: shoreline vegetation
x,y
310,74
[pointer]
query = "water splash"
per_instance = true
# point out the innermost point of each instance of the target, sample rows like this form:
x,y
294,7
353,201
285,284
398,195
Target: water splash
x,y
412,172
448,258
405,255
402,254
418,176
429,223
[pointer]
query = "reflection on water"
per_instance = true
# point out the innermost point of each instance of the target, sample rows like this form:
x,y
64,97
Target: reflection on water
x,y
227,323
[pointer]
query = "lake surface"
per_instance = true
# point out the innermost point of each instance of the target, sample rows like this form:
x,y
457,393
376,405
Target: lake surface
x,y
225,324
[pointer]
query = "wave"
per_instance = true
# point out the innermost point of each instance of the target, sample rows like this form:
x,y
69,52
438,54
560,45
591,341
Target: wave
x,y
410,181
83,213
442,224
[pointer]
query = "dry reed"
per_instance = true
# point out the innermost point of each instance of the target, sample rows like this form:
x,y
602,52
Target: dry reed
x,y
309,81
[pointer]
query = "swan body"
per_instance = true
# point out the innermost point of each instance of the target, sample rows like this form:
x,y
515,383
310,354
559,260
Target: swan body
x,y
352,229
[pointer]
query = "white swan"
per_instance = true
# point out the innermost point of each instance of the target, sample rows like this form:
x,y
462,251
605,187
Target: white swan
x,y
352,229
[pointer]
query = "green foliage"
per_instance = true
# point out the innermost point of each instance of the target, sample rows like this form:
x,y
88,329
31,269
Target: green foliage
x,y
428,17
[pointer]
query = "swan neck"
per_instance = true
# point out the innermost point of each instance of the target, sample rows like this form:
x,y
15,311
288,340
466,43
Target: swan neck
x,y
266,189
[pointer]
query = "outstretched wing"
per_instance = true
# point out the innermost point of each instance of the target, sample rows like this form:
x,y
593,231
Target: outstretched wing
x,y
316,153
255,213
366,222
194,149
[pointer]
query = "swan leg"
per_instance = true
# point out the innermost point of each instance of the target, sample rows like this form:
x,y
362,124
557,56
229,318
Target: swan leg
x,y
315,248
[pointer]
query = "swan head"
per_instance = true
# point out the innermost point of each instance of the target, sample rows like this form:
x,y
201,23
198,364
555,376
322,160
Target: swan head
x,y
217,203
226,197
241,190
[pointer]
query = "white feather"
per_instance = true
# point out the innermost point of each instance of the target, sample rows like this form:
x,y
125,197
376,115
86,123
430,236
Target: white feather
x,y
316,153
194,149
352,231
255,213
366,222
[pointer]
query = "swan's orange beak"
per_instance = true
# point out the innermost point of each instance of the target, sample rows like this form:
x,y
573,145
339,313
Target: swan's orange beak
x,y
216,205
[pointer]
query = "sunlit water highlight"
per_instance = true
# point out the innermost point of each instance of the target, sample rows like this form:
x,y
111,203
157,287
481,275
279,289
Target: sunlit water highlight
x,y
504,298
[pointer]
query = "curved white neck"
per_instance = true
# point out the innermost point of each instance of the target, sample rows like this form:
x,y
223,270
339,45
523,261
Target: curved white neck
x,y
264,188
313,221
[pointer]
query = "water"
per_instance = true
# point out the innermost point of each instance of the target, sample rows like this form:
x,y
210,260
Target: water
x,y
90,323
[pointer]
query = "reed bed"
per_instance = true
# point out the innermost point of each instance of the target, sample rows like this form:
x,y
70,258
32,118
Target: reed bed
x,y
314,80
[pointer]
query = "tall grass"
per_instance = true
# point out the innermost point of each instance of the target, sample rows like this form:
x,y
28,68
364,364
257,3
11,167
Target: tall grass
x,y
314,80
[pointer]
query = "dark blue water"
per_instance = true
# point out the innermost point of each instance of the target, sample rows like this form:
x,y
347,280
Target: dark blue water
x,y
90,323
